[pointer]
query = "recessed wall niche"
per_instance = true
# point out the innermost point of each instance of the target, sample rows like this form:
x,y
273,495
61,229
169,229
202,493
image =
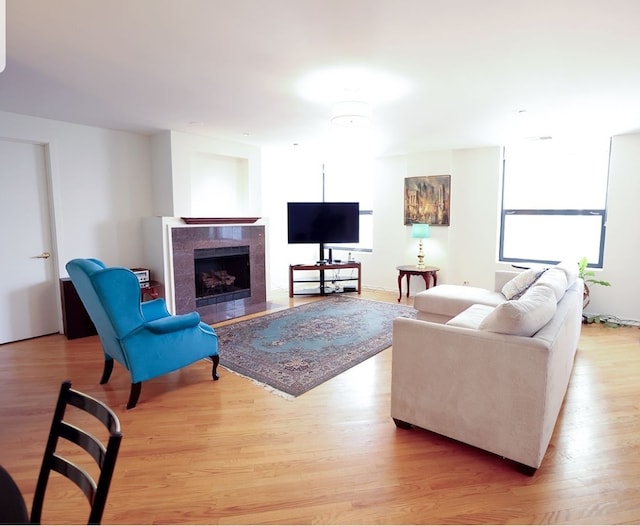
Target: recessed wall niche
x,y
219,185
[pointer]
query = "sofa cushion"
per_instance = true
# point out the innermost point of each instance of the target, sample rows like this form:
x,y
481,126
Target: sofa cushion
x,y
517,286
555,279
570,269
451,300
472,317
525,316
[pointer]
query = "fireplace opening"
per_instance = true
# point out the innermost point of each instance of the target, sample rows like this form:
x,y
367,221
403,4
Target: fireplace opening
x,y
222,274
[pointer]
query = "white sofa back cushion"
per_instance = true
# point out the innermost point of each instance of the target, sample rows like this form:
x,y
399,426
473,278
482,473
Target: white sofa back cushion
x,y
571,271
525,316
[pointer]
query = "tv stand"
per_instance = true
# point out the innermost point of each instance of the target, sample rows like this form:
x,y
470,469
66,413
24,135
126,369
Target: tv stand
x,y
321,279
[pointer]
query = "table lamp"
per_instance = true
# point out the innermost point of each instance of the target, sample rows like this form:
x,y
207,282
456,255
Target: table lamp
x,y
420,231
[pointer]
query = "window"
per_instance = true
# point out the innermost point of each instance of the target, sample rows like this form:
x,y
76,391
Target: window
x,y
366,235
554,202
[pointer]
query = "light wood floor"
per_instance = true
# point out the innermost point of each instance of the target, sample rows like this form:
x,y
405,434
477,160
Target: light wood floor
x,y
230,452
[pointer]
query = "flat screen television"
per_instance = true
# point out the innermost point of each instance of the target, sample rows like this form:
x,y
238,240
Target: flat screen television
x,y
323,223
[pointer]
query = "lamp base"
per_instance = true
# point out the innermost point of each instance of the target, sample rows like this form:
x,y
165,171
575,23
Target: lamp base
x,y
420,256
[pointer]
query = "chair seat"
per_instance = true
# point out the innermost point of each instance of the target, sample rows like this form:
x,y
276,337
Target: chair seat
x,y
13,509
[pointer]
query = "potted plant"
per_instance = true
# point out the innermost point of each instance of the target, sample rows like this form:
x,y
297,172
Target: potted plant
x,y
588,278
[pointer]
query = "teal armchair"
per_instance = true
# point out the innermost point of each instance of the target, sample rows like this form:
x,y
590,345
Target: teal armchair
x,y
142,336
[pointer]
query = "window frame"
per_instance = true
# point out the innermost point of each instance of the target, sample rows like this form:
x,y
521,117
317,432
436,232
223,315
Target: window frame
x,y
553,212
505,212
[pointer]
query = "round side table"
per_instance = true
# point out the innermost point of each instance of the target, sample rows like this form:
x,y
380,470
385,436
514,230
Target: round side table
x,y
427,273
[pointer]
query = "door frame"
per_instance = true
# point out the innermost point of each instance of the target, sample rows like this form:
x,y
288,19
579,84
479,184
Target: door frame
x,y
54,208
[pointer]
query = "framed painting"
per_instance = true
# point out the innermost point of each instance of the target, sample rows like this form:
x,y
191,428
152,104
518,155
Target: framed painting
x,y
427,200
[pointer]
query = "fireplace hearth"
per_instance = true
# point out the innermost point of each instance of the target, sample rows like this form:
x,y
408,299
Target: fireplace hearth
x,y
219,271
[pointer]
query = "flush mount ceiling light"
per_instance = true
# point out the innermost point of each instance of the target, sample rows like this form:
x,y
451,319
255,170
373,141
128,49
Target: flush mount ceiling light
x,y
351,113
329,85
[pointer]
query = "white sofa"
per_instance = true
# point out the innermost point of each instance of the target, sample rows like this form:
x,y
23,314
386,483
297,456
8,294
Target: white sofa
x,y
489,371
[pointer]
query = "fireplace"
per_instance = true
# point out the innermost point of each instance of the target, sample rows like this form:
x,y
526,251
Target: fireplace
x,y
219,271
221,274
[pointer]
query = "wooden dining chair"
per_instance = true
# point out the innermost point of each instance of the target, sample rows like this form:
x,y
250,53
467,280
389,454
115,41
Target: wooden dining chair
x,y
104,456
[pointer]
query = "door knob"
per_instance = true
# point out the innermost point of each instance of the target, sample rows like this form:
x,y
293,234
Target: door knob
x,y
44,255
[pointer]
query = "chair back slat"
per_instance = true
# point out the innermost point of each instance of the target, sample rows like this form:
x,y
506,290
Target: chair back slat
x,y
76,474
104,456
85,440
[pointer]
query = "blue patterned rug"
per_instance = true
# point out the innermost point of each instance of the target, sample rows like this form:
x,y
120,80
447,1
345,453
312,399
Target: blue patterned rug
x,y
297,349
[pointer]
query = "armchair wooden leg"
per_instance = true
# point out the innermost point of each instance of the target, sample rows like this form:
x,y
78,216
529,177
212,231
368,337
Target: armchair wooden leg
x,y
214,372
134,395
106,372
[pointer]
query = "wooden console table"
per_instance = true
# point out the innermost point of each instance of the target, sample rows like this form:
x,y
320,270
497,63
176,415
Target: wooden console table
x,y
322,279
151,290
427,274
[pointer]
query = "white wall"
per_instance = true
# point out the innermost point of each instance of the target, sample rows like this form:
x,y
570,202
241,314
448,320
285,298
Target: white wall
x,y
622,247
475,217
101,182
161,167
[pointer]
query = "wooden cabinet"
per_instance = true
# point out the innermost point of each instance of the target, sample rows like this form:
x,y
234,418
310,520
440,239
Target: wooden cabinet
x,y
75,319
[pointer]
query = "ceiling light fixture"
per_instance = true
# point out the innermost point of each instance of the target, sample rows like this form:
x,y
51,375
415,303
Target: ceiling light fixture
x,y
351,113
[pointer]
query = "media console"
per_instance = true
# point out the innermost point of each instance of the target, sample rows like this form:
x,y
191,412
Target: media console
x,y
328,282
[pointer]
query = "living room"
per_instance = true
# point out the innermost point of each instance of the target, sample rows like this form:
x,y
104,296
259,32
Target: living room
x,y
106,185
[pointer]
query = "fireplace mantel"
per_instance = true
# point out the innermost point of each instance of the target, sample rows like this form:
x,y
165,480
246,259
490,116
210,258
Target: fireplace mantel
x,y
218,220
186,240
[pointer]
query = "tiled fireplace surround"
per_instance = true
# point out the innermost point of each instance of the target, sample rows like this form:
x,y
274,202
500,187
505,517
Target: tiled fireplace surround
x,y
185,240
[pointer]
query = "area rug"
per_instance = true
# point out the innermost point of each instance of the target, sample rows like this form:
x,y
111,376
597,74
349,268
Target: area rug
x,y
294,350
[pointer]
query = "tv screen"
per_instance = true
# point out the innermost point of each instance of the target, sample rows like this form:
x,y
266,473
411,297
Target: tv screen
x,y
323,222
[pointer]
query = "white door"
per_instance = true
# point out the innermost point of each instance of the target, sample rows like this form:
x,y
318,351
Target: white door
x,y
28,293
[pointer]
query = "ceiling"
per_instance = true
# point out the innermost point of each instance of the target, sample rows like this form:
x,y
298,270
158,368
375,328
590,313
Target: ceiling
x,y
466,73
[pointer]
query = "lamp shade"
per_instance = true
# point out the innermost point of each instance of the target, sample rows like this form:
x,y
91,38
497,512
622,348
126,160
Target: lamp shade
x,y
420,231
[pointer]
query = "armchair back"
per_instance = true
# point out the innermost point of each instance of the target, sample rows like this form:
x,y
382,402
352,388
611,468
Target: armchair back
x,y
111,296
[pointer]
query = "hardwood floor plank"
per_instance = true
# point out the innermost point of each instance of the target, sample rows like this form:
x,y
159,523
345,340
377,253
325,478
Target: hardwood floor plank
x,y
230,452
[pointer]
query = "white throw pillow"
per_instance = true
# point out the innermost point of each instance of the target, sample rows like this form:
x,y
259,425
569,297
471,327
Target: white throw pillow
x,y
523,317
517,286
554,278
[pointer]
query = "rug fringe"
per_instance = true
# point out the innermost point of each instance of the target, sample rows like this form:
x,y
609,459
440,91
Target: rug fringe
x,y
267,387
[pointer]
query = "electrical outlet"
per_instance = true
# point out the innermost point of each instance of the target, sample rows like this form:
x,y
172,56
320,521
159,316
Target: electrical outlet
x,y
466,283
